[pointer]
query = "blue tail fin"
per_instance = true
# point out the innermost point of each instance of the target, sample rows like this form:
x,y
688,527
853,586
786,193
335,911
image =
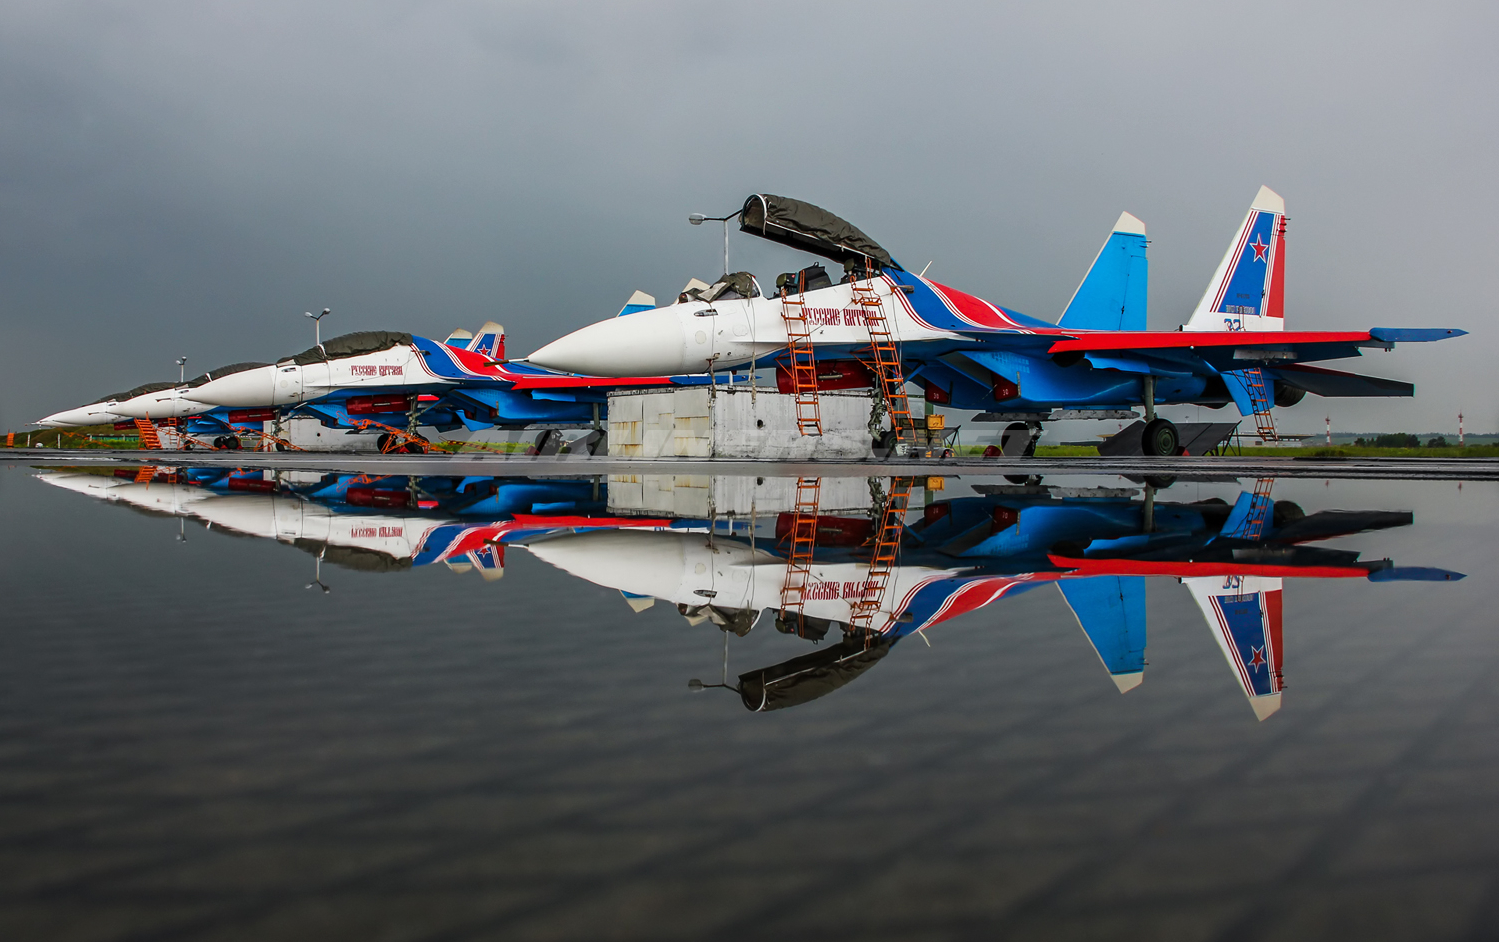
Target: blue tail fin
x,y
1112,295
1111,611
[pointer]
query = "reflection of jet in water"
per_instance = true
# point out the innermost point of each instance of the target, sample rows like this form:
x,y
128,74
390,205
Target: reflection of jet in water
x,y
963,554
355,521
824,557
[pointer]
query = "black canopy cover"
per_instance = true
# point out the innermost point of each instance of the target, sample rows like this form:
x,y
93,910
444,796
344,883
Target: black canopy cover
x,y
809,228
140,390
223,371
805,678
350,345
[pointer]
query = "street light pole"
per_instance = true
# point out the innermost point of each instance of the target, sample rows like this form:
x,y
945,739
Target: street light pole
x,y
317,326
181,370
697,219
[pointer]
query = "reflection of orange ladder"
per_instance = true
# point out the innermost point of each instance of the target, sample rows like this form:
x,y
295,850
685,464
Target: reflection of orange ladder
x,y
803,540
803,365
399,439
147,432
882,557
886,358
1260,401
1261,508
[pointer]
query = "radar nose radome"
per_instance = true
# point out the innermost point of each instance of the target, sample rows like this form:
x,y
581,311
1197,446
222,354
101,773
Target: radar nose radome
x,y
650,343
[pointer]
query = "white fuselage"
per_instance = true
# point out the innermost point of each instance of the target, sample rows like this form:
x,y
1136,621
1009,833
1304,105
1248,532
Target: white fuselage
x,y
162,404
686,568
695,337
97,413
289,383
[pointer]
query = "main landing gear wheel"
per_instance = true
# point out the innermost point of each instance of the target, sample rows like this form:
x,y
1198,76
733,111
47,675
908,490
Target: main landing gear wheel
x,y
1160,439
416,446
884,446
1018,441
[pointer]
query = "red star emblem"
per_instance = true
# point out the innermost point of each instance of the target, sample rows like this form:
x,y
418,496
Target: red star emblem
x,y
1258,660
1259,247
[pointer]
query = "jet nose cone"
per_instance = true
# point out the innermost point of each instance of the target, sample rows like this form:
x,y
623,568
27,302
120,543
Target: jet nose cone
x,y
84,415
650,343
239,390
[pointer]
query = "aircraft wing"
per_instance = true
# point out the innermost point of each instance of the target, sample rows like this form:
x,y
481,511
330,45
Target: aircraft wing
x,y
1227,350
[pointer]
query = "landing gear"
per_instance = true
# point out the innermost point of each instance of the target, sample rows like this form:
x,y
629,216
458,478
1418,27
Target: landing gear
x,y
1160,439
227,443
1018,440
884,446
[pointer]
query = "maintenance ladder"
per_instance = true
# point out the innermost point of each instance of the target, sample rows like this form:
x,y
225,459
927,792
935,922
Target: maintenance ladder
x,y
1261,399
886,545
885,354
147,432
803,541
803,366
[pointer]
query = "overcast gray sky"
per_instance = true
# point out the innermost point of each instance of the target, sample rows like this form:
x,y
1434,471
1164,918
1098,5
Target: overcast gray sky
x,y
188,178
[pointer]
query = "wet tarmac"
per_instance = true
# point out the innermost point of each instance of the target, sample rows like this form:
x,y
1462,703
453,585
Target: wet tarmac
x,y
448,698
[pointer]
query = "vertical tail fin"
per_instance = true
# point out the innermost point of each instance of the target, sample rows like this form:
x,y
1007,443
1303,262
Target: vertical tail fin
x,y
1248,289
490,341
1113,293
1111,611
1245,615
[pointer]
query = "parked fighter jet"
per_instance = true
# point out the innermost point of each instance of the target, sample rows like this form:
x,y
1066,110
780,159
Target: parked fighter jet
x,y
1097,361
369,380
968,553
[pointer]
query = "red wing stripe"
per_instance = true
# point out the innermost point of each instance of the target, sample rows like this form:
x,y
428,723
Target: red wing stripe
x,y
1163,339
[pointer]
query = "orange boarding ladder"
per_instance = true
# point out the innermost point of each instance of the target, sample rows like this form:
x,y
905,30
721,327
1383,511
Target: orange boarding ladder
x,y
1260,401
803,542
803,360
882,558
886,358
147,432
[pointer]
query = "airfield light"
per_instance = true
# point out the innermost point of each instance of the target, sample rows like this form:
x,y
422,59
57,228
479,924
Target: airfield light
x,y
697,219
181,370
317,325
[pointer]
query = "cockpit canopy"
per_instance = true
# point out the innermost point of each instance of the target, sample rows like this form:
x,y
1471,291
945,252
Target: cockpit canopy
x,y
811,229
349,345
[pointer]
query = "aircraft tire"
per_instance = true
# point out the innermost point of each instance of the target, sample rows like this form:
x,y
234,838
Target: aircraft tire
x,y
1016,442
1160,439
417,446
232,442
884,446
281,446
383,442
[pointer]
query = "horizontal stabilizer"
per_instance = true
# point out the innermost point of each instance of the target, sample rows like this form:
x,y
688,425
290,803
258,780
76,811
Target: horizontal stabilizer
x,y
639,301
1415,574
1112,295
1340,385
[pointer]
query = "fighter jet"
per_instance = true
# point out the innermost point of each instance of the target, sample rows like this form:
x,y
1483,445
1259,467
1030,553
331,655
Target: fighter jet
x,y
1097,361
1097,546
381,381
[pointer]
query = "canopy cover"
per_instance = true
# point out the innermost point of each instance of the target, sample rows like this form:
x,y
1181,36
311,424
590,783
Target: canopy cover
x,y
223,371
805,678
137,391
350,345
810,228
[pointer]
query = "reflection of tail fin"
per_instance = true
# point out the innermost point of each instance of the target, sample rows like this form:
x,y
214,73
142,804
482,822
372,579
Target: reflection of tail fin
x,y
1248,289
1112,295
490,341
1245,615
1111,611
